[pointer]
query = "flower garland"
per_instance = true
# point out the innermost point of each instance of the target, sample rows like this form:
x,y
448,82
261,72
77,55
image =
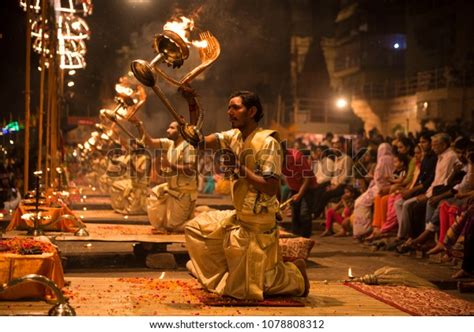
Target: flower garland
x,y
25,246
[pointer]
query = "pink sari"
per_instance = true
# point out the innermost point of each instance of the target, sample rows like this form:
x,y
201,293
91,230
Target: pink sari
x,y
362,218
391,221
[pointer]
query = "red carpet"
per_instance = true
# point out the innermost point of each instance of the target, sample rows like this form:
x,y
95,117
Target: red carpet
x,y
417,301
191,289
215,300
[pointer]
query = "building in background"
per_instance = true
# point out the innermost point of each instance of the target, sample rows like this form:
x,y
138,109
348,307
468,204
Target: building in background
x,y
310,104
403,63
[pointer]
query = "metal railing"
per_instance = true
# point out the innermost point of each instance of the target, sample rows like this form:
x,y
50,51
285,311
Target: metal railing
x,y
313,110
322,110
438,78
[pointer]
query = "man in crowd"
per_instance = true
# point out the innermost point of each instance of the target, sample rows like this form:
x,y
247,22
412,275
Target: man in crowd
x,y
302,183
341,175
460,181
446,159
404,207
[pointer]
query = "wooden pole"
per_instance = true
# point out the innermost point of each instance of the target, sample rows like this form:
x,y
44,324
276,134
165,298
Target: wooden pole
x,y
54,121
42,79
27,100
48,126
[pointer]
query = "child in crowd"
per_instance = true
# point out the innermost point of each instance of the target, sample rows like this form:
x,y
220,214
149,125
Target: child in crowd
x,y
341,212
400,162
364,167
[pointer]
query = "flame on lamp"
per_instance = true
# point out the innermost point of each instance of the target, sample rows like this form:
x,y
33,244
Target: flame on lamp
x,y
27,216
183,27
91,141
124,90
349,273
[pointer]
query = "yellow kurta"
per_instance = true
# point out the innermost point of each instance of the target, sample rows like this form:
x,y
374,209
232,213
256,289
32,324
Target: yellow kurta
x,y
236,253
171,204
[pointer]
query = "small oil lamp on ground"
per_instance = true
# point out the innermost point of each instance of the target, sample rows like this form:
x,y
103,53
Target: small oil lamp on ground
x,y
349,274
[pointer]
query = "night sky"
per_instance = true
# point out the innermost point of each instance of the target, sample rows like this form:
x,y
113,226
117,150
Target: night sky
x,y
254,38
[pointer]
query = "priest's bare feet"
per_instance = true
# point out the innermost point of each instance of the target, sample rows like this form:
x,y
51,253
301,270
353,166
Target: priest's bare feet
x,y
301,265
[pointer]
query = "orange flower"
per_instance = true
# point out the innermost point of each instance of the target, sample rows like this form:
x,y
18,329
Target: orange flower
x,y
18,245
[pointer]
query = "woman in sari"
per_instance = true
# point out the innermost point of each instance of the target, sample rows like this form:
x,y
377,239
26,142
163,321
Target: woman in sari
x,y
391,222
362,217
381,206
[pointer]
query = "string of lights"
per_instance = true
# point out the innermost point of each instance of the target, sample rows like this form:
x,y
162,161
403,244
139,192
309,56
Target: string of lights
x,y
70,30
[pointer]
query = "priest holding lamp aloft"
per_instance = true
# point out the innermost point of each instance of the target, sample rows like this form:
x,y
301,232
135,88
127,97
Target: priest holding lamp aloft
x,y
236,253
171,204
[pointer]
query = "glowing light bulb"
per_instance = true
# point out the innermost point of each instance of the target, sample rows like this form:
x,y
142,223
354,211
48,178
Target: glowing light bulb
x,y
341,103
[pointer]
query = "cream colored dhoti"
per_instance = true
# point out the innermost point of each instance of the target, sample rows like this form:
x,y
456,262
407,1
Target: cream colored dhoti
x,y
128,197
105,183
169,209
234,258
93,178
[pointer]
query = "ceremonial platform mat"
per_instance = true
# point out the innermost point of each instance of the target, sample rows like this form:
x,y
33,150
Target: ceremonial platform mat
x,y
417,301
125,233
111,233
110,217
171,297
214,300
90,192
93,203
108,229
143,233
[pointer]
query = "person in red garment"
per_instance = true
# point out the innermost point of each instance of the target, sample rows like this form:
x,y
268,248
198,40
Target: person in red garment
x,y
302,183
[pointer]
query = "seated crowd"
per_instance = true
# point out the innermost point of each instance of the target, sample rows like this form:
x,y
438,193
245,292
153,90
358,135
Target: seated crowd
x,y
404,194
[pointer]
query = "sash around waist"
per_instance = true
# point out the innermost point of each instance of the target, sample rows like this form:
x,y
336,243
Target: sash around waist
x,y
256,222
